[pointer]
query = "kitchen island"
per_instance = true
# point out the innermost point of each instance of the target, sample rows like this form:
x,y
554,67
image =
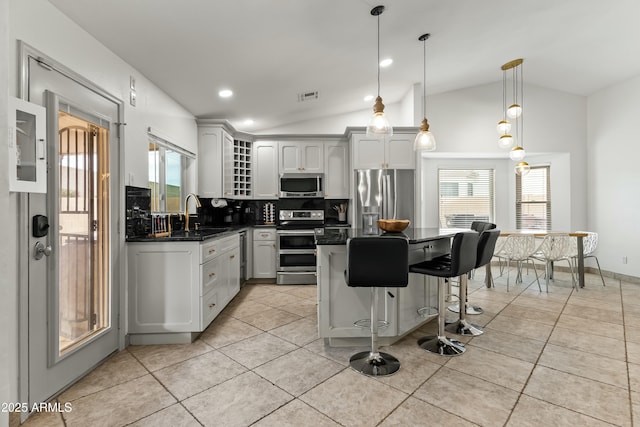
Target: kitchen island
x,y
340,306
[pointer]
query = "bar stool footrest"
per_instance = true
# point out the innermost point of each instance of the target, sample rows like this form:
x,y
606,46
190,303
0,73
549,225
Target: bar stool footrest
x,y
374,364
427,311
464,328
443,346
366,324
471,309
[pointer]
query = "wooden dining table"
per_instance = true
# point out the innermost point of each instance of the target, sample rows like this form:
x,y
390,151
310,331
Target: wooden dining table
x,y
542,233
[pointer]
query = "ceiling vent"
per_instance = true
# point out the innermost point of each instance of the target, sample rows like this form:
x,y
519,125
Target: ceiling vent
x,y
307,96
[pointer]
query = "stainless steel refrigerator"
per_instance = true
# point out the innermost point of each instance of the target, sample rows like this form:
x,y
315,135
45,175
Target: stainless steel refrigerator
x,y
383,193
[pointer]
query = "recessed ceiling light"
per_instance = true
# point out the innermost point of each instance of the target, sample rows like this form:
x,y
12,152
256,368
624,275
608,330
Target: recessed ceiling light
x,y
386,62
248,122
368,98
225,93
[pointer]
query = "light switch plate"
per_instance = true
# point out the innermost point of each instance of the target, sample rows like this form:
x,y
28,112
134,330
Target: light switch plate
x,y
132,98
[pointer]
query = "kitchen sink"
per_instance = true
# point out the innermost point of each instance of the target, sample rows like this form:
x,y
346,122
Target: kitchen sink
x,y
200,233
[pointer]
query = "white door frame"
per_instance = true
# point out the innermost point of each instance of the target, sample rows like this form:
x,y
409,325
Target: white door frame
x,y
26,52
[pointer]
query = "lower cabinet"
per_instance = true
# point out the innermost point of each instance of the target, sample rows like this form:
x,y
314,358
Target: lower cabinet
x,y
264,253
177,288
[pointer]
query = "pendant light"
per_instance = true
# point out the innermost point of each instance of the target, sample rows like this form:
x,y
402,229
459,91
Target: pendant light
x,y
425,141
504,127
379,125
514,111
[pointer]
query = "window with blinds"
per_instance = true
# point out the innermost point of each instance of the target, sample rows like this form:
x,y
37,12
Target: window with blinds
x,y
533,199
465,195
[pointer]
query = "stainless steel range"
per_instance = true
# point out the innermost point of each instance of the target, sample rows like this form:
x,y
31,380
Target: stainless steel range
x,y
295,246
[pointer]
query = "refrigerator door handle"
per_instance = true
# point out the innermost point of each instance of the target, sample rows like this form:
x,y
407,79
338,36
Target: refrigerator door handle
x,y
384,205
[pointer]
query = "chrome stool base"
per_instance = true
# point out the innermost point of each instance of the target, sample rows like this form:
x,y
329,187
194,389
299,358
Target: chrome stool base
x,y
377,364
471,309
441,345
462,327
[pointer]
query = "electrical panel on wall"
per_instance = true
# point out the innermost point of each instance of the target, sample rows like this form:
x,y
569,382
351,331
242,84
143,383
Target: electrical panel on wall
x,y
27,147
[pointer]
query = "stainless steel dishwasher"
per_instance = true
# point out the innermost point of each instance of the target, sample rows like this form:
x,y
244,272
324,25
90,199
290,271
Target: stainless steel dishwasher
x,y
243,257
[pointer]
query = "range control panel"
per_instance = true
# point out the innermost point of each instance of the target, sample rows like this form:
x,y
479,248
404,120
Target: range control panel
x,y
302,215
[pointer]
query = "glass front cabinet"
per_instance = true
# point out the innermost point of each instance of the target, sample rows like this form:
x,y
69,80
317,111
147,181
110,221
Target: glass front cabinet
x,y
27,147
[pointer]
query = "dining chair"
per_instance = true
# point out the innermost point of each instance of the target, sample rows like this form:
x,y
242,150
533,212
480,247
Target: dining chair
x,y
556,247
589,244
518,248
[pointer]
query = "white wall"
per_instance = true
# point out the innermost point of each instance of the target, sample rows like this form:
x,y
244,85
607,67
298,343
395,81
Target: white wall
x,y
8,282
614,175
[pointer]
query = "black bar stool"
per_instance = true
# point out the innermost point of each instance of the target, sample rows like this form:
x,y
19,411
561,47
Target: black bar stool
x,y
478,226
461,261
376,262
486,246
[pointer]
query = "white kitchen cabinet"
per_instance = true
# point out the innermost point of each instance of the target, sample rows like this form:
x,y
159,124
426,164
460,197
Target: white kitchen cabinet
x,y
301,157
27,156
395,152
177,288
212,141
264,253
337,176
265,170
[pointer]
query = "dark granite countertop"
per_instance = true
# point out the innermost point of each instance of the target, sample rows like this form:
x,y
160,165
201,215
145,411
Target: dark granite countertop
x,y
204,233
339,236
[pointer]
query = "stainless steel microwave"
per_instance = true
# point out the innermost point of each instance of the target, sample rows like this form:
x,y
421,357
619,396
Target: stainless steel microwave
x,y
301,185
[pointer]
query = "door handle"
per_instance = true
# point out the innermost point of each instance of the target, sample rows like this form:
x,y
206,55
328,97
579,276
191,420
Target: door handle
x,y
40,250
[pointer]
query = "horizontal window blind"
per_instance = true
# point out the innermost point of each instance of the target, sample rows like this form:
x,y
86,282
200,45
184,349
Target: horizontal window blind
x,y
533,199
465,195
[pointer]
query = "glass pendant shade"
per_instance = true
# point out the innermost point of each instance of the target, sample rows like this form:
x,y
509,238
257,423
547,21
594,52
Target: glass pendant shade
x,y
522,168
517,154
379,124
505,141
514,111
425,141
504,127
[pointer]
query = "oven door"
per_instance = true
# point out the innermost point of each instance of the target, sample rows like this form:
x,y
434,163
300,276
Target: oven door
x,y
296,250
296,240
297,260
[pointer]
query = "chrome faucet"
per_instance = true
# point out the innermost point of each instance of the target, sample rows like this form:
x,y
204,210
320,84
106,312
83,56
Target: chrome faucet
x,y
186,209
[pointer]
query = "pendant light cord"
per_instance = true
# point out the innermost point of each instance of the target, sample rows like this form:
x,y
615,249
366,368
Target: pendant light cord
x,y
504,96
379,54
424,78
521,105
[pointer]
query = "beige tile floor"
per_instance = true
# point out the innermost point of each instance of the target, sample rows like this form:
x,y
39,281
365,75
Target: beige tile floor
x,y
546,359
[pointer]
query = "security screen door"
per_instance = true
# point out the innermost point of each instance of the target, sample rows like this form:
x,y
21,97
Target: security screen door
x,y
72,302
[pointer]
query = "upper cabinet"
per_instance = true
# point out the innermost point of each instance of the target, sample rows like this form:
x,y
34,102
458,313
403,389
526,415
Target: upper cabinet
x,y
211,143
301,157
27,149
395,152
336,176
265,170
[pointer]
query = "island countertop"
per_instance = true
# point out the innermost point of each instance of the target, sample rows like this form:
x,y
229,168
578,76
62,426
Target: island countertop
x,y
339,236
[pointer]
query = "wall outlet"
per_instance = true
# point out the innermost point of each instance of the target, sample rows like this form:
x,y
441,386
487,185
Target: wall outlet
x,y
624,259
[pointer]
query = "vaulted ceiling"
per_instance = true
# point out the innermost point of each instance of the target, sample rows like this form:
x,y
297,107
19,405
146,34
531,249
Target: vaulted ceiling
x,y
269,51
